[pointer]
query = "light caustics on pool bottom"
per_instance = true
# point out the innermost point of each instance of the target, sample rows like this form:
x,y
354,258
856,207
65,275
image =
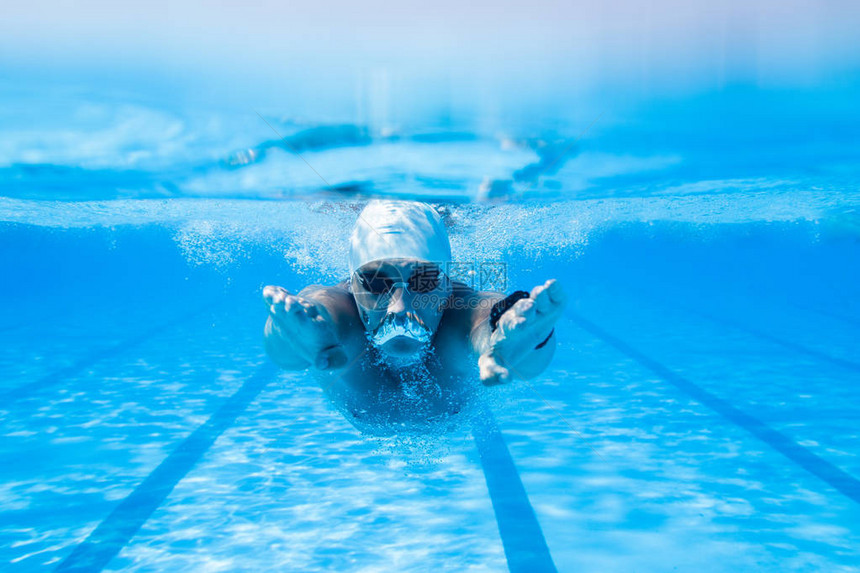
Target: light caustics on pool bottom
x,y
700,411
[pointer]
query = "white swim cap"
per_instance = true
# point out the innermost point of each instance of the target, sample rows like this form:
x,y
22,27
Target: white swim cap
x,y
398,230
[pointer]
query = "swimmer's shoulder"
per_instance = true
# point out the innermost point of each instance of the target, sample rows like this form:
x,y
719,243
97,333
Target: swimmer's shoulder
x,y
468,301
463,291
467,309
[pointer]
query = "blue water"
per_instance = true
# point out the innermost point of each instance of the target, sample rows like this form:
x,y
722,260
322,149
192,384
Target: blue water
x,y
700,412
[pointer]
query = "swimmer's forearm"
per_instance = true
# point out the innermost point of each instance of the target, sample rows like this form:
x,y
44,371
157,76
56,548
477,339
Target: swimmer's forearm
x,y
480,335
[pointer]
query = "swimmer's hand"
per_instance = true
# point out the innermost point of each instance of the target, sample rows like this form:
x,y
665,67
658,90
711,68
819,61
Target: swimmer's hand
x,y
300,332
520,329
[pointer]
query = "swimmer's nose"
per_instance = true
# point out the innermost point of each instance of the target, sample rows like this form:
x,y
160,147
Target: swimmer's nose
x,y
398,301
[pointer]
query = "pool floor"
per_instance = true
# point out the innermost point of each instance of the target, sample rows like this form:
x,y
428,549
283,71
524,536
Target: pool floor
x,y
700,413
162,439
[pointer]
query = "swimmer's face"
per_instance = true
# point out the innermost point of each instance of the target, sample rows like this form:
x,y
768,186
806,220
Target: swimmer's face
x,y
401,302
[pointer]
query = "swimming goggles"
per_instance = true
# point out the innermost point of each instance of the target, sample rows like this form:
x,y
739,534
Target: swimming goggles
x,y
376,287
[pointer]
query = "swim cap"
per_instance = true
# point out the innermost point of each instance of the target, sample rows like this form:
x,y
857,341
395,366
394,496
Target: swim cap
x,y
398,230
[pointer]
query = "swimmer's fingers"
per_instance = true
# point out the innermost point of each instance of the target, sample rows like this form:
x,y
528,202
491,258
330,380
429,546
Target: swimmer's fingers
x,y
274,295
304,327
310,309
331,358
288,307
492,373
280,301
549,298
516,317
556,292
288,310
525,308
518,314
540,294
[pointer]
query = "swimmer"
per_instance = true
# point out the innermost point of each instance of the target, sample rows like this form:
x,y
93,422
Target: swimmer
x,y
399,312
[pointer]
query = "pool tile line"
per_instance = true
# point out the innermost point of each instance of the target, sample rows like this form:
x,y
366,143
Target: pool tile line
x,y
849,320
10,327
793,346
843,482
737,325
54,378
115,532
34,317
522,537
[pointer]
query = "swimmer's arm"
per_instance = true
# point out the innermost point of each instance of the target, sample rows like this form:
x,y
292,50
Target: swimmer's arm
x,y
480,332
525,341
319,327
530,365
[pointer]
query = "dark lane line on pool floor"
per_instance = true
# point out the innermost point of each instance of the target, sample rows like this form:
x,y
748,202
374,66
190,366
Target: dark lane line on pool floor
x,y
23,391
845,483
849,320
793,346
752,331
522,537
7,328
114,533
35,317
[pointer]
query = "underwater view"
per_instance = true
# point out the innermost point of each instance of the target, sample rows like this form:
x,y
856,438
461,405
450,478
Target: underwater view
x,y
675,187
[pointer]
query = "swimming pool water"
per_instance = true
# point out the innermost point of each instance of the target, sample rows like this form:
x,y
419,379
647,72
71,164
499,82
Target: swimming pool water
x,y
700,412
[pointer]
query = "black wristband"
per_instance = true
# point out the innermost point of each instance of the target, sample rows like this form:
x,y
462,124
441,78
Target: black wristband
x,y
503,305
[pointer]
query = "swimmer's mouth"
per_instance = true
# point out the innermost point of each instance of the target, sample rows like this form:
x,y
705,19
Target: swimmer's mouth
x,y
409,325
